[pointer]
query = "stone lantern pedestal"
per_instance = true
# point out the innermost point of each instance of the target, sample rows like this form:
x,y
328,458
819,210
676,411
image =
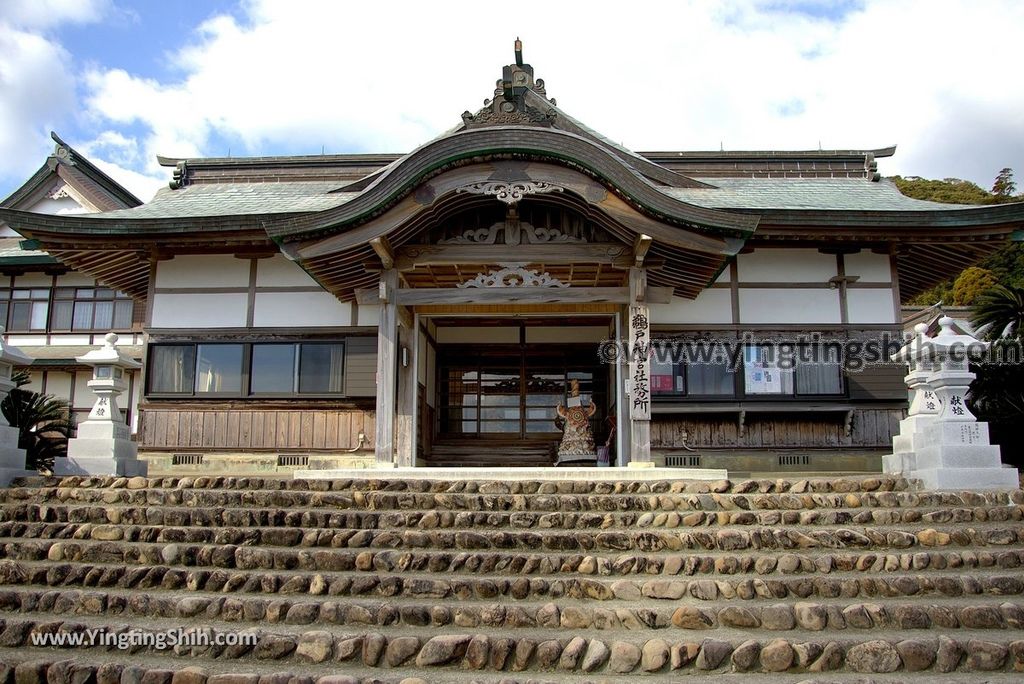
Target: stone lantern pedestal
x,y
103,445
12,459
952,449
924,406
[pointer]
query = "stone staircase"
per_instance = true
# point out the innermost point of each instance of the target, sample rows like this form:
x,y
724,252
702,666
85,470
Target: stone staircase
x,y
269,581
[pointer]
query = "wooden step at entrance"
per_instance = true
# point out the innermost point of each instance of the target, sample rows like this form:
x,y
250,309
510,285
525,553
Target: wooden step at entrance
x,y
477,454
402,580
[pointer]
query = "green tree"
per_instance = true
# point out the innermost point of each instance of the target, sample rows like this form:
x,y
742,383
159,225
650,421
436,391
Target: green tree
x,y
997,393
970,284
950,190
1004,186
999,313
1006,263
43,421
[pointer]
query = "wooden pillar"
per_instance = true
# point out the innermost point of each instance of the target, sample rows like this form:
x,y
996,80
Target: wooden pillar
x,y
405,427
639,331
387,343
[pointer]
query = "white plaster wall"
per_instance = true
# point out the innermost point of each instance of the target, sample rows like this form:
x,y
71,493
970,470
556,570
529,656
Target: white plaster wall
x,y
279,271
207,270
199,310
786,266
368,314
26,340
33,280
75,280
35,381
64,205
870,306
58,383
710,306
84,398
446,335
136,395
868,266
583,333
305,309
769,305
64,340
725,276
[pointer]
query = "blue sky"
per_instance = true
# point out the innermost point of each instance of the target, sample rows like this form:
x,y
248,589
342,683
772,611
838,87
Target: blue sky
x,y
123,81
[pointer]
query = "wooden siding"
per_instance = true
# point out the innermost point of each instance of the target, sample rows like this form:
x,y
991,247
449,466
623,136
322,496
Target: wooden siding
x,y
229,429
361,366
872,428
878,381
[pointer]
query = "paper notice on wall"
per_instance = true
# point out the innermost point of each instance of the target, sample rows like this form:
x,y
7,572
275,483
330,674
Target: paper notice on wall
x,y
761,376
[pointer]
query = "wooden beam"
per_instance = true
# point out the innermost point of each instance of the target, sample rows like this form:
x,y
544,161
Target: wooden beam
x,y
641,245
387,344
409,257
405,440
637,286
510,295
383,249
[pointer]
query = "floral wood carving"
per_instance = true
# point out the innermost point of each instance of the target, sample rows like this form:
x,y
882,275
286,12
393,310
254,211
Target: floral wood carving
x,y
512,233
514,275
510,192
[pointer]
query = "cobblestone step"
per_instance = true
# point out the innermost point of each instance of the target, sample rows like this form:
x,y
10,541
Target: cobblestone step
x,y
436,581
181,515
528,581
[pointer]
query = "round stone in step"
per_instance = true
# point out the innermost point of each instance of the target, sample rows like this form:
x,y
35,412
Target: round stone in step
x,y
877,656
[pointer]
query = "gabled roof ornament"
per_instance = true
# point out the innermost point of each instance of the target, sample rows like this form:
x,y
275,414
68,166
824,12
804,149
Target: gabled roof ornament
x,y
509,103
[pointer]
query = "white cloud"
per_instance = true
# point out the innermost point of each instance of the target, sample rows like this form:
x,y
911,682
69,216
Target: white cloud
x,y
139,184
295,78
42,14
38,94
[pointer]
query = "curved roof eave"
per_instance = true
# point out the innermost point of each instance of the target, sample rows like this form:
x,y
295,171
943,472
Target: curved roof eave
x,y
516,142
962,216
96,225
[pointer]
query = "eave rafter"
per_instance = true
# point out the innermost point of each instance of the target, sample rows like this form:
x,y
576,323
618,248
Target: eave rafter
x,y
124,262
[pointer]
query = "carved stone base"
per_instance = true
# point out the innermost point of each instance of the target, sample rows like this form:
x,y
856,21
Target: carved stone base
x,y
957,455
12,459
576,460
101,457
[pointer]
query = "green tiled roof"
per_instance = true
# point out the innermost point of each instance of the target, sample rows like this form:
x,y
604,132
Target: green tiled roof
x,y
841,194
12,253
232,199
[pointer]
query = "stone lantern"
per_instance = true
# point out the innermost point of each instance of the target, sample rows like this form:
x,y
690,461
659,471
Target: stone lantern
x,y
12,459
923,404
103,445
953,449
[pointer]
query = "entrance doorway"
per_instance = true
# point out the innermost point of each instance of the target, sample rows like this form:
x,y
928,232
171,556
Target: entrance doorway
x,y
496,401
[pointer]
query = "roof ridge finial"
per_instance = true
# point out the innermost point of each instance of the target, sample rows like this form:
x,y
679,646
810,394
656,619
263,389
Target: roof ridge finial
x,y
519,52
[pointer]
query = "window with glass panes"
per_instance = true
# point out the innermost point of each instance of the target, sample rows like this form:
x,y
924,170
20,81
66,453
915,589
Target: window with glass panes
x,y
807,370
90,308
247,369
25,309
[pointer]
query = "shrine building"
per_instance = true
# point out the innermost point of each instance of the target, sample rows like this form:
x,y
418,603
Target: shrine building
x,y
434,308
